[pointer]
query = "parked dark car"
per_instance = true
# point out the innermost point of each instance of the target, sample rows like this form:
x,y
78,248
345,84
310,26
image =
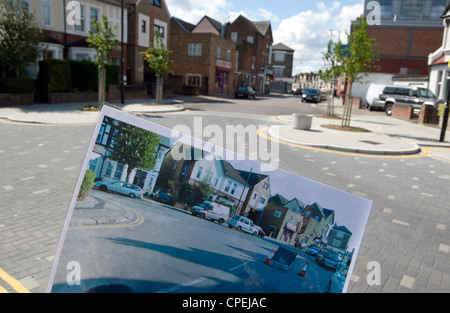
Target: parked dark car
x,y
312,95
245,92
313,250
329,261
163,198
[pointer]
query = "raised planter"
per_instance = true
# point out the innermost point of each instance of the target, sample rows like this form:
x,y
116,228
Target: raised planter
x,y
301,121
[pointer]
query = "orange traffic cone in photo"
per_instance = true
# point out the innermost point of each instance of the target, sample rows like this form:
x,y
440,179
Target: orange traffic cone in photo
x,y
303,271
269,258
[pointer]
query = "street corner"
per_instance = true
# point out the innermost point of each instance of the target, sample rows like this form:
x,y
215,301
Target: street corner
x,y
337,141
94,211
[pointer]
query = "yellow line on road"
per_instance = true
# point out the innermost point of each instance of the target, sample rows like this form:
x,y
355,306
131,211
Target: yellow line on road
x,y
12,282
425,151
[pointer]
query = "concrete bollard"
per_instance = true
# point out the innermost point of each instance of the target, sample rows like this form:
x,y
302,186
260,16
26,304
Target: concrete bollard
x,y
301,121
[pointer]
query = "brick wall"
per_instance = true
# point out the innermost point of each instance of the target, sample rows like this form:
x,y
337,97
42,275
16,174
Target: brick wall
x,y
403,112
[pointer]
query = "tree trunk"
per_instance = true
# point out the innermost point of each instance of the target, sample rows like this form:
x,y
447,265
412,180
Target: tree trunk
x,y
346,117
159,89
101,86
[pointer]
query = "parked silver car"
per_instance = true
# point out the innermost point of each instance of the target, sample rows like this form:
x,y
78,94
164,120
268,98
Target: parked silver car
x,y
242,224
121,187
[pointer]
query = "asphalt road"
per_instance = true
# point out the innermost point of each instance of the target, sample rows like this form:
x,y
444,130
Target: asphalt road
x,y
172,251
407,233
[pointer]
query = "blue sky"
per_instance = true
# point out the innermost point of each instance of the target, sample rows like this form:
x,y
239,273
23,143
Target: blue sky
x,y
302,25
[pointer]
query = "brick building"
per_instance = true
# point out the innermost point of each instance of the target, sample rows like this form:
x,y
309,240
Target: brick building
x,y
202,57
253,43
144,17
409,30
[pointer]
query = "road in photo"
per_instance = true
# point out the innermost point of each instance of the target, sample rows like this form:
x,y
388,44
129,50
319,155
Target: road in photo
x,y
172,251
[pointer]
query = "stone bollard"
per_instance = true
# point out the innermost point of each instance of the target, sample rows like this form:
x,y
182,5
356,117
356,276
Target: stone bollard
x,y
302,121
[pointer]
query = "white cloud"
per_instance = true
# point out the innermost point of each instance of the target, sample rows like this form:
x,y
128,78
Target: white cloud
x,y
309,32
192,11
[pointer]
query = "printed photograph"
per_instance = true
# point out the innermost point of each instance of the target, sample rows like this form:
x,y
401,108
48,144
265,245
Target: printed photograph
x,y
154,212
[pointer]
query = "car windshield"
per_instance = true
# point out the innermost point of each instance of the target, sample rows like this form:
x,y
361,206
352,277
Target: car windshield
x,y
311,91
242,89
426,93
333,257
204,205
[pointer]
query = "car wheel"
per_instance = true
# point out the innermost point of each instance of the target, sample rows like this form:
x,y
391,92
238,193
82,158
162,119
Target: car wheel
x,y
388,109
103,188
132,195
220,221
239,228
254,234
202,215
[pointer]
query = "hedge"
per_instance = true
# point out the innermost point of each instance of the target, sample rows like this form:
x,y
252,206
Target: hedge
x,y
55,73
16,85
86,185
84,75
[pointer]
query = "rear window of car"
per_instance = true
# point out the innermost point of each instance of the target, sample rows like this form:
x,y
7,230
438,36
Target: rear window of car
x,y
311,91
242,89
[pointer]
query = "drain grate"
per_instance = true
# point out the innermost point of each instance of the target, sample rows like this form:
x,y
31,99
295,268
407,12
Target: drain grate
x,y
371,142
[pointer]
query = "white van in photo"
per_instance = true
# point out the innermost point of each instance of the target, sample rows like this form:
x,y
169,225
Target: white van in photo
x,y
212,211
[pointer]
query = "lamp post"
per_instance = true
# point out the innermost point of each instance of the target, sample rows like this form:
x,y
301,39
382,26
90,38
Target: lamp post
x,y
122,87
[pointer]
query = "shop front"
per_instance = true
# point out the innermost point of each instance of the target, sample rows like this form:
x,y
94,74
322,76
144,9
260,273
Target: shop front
x,y
222,82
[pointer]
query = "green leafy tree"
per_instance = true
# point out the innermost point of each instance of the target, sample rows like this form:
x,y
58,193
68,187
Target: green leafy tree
x,y
103,39
20,38
135,147
157,57
358,61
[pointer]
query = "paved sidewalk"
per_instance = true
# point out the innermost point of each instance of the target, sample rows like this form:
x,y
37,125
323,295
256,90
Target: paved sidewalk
x,y
70,113
386,135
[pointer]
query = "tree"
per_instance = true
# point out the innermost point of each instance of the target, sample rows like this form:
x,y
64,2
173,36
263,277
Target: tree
x,y
20,37
359,58
102,39
157,57
135,147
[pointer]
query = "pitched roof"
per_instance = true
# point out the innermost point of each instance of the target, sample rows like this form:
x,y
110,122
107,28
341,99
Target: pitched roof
x,y
278,199
254,177
185,26
217,25
342,228
281,46
231,172
262,27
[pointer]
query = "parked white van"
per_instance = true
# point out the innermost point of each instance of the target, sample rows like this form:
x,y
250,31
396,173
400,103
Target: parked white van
x,y
212,211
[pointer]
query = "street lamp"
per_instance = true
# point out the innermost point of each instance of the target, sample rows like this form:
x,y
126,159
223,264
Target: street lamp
x,y
122,87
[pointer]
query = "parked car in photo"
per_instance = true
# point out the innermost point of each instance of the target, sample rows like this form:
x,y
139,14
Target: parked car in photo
x,y
329,261
337,282
311,95
313,250
120,187
163,197
261,232
245,92
403,95
241,223
211,211
323,96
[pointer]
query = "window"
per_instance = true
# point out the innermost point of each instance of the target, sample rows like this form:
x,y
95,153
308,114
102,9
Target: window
x,y
411,8
46,12
265,186
156,2
103,134
144,26
195,49
250,39
279,56
227,187
93,16
80,27
228,55
109,169
278,71
218,53
277,214
438,8
193,80
233,189
160,30
262,200
234,36
199,173
118,171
